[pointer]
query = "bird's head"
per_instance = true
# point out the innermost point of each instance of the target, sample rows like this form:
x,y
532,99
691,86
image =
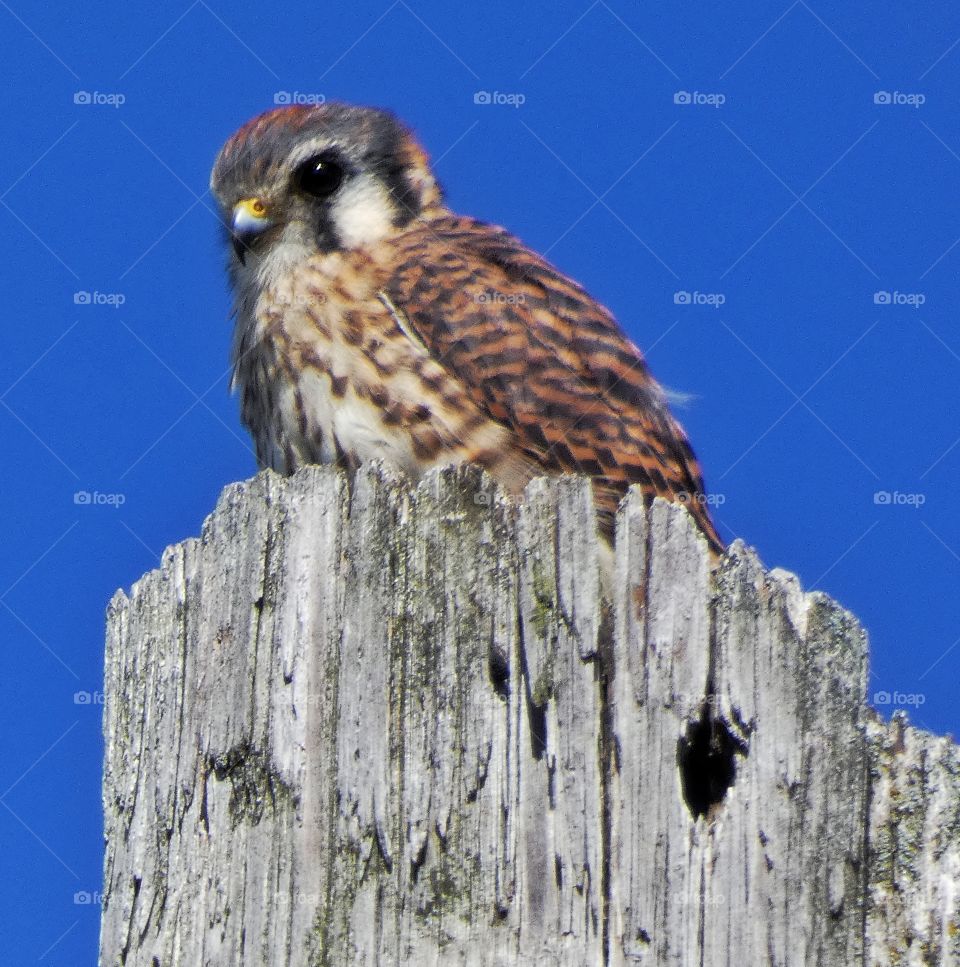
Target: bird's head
x,y
321,178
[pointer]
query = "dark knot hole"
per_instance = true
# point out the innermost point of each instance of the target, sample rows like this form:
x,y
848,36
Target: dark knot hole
x,y
706,757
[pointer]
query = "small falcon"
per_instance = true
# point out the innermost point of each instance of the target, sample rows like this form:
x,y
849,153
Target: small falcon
x,y
373,322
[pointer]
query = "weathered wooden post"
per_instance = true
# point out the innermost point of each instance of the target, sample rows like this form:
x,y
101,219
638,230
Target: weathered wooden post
x,y
372,723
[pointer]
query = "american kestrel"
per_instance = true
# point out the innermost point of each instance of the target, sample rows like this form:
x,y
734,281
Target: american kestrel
x,y
373,322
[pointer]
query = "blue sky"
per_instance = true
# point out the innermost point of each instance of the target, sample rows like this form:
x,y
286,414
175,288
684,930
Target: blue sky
x,y
767,200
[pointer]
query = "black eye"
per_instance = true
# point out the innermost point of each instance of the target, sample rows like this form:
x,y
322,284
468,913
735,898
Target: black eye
x,y
319,177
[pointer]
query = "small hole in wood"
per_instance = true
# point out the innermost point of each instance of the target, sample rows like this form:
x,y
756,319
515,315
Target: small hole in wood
x,y
499,673
537,718
705,756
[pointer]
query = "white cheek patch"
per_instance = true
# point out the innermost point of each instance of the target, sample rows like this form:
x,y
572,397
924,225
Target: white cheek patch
x,y
362,212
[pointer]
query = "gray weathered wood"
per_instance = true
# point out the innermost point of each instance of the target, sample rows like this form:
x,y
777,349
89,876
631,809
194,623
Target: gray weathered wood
x,y
367,723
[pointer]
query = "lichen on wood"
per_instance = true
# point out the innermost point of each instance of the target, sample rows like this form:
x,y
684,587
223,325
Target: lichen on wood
x,y
362,721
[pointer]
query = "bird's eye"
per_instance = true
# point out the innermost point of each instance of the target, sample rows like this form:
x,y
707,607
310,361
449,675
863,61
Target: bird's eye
x,y
319,177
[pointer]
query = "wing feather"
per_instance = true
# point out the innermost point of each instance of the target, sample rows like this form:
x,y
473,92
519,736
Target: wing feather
x,y
540,356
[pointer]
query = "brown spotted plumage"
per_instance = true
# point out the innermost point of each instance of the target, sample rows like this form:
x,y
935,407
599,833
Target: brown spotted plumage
x,y
372,322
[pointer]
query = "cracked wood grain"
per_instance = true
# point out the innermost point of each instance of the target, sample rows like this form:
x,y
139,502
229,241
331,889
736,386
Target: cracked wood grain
x,y
366,722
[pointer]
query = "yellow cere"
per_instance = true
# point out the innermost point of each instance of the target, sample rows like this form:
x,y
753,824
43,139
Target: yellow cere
x,y
253,206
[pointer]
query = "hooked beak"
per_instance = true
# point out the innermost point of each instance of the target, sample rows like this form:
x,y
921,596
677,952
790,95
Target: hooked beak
x,y
249,220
